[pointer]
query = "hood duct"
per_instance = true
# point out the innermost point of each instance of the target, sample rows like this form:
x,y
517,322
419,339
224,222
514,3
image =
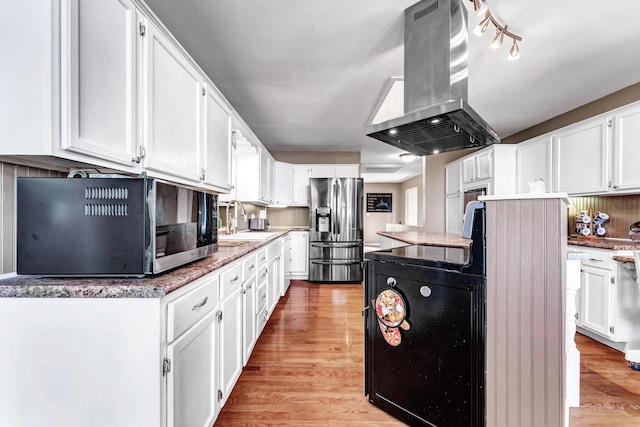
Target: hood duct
x,y
436,116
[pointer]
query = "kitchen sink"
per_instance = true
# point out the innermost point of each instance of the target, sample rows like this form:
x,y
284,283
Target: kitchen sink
x,y
249,235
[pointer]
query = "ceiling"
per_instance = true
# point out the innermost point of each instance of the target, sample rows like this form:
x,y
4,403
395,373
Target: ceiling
x,y
306,75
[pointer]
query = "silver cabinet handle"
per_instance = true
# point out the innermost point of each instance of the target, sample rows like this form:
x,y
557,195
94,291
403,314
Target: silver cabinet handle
x,y
200,304
252,266
595,260
235,279
249,286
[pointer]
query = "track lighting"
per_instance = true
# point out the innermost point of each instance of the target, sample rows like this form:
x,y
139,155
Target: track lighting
x,y
497,40
482,26
514,52
501,30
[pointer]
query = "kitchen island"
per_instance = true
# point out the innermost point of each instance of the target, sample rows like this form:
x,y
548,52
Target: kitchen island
x,y
157,351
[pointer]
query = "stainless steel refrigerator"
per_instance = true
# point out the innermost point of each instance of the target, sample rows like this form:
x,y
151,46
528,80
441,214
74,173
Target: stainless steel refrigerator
x,y
335,230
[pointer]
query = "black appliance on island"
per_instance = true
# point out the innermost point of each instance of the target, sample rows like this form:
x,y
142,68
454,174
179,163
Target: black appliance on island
x,y
425,330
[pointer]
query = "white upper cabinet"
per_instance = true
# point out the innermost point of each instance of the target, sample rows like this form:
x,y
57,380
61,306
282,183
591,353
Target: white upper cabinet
x,y
99,70
173,107
453,177
581,157
301,185
347,171
253,179
626,148
283,183
264,184
533,161
217,159
322,171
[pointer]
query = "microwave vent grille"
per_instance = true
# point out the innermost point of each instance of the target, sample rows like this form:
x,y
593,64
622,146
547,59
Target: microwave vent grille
x,y
104,193
102,209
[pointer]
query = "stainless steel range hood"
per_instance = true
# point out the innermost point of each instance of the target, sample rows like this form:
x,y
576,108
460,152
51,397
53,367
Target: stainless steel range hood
x,y
436,116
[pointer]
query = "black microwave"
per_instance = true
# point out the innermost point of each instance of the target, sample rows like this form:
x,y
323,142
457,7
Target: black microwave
x,y
111,226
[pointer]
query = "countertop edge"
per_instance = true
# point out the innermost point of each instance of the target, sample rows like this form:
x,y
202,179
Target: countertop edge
x,y
129,287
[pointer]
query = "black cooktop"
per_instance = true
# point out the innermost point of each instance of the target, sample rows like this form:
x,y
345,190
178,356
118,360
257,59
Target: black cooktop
x,y
424,255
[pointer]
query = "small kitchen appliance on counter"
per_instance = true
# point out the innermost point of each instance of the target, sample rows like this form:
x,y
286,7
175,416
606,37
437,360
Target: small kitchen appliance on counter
x,y
111,226
259,224
425,330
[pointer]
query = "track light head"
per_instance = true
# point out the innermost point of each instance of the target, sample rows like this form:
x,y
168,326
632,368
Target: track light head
x,y
497,40
514,52
482,26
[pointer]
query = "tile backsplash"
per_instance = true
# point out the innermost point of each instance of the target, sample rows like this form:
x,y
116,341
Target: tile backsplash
x,y
623,211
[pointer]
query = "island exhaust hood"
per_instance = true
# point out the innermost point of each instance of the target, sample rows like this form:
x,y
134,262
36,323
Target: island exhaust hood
x,y
436,116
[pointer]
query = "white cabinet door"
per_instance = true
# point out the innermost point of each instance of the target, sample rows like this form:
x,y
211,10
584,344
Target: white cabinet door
x,y
217,141
192,379
301,185
484,164
582,157
249,332
298,253
283,184
322,171
347,171
469,169
265,176
595,295
99,84
230,343
273,284
454,212
626,148
533,161
453,178
173,109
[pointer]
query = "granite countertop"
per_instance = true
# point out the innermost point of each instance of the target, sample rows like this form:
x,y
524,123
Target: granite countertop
x,y
428,238
606,243
127,287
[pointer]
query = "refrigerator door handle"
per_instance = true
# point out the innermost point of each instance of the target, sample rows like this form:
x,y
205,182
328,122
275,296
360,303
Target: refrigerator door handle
x,y
335,245
334,215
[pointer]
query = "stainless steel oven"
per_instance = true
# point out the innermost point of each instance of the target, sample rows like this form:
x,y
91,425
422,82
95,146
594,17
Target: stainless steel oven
x,y
111,226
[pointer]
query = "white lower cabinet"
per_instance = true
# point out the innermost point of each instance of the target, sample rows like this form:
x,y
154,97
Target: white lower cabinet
x,y
296,256
249,324
454,210
192,381
609,297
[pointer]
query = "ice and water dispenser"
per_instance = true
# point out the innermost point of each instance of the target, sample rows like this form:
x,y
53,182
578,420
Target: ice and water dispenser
x,y
323,219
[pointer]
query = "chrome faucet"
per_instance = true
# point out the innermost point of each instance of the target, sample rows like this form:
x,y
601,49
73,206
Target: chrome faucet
x,y
232,225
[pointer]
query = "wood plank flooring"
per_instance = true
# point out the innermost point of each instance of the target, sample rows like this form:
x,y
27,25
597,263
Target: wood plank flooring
x,y
307,370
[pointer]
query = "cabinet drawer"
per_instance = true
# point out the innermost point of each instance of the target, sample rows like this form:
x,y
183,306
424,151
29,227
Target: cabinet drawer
x,y
598,259
249,266
261,254
230,280
274,249
262,296
189,308
261,318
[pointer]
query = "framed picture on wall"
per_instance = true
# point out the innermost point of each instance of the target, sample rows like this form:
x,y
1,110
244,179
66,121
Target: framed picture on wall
x,y
379,202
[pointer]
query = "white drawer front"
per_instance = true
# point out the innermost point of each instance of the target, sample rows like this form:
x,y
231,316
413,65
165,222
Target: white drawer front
x,y
262,296
249,266
261,318
189,308
600,259
230,280
274,249
262,256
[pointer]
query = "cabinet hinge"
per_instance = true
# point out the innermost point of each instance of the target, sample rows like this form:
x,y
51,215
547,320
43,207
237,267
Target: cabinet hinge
x,y
203,174
219,395
166,366
204,91
142,28
609,123
139,157
612,329
219,316
613,280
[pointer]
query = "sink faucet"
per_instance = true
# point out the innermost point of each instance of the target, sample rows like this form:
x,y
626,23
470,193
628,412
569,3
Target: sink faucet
x,y
232,226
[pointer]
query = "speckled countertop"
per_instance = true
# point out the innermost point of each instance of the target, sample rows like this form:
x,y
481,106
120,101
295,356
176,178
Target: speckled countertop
x,y
117,287
607,243
427,238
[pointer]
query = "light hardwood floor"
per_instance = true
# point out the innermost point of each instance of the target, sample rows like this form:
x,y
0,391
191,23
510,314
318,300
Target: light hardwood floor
x,y
307,370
